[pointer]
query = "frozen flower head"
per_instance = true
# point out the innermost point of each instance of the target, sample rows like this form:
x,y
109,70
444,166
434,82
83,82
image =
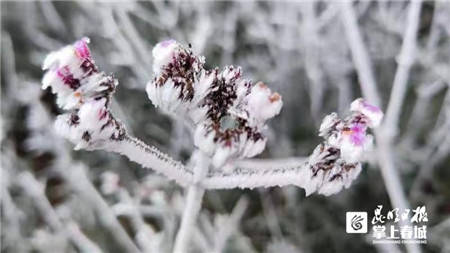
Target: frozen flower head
x,y
74,77
80,87
227,111
91,126
372,113
177,70
336,162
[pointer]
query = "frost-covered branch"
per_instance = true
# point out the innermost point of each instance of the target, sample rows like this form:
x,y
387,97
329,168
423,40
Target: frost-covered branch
x,y
363,66
226,111
81,88
359,53
405,61
68,229
150,157
193,204
229,224
334,164
397,94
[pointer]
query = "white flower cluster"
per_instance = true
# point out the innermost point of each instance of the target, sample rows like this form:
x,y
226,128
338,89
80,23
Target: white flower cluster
x,y
80,87
227,111
336,162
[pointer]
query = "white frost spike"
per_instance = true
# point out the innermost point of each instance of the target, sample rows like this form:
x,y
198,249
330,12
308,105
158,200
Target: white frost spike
x,y
202,86
166,97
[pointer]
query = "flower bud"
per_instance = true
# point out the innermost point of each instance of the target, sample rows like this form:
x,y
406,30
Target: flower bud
x,y
373,113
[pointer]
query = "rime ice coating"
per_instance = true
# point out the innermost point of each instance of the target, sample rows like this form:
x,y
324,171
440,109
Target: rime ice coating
x,y
227,111
80,87
333,165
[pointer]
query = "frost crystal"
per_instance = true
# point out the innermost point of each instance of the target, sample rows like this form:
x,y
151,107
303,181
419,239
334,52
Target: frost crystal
x,y
228,112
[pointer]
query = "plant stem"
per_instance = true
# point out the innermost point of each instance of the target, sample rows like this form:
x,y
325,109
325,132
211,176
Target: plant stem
x,y
193,203
150,157
359,54
405,61
362,64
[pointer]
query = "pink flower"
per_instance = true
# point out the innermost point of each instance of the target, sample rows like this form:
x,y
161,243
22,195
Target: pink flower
x,y
167,43
371,112
81,48
74,77
357,134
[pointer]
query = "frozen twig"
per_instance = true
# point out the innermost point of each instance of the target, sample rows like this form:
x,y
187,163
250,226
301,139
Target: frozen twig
x,y
78,180
193,204
141,229
228,225
36,191
405,61
384,137
313,68
359,53
83,243
70,230
150,157
261,164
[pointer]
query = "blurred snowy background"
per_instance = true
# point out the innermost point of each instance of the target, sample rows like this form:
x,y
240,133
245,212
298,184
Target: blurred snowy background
x,y
55,199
